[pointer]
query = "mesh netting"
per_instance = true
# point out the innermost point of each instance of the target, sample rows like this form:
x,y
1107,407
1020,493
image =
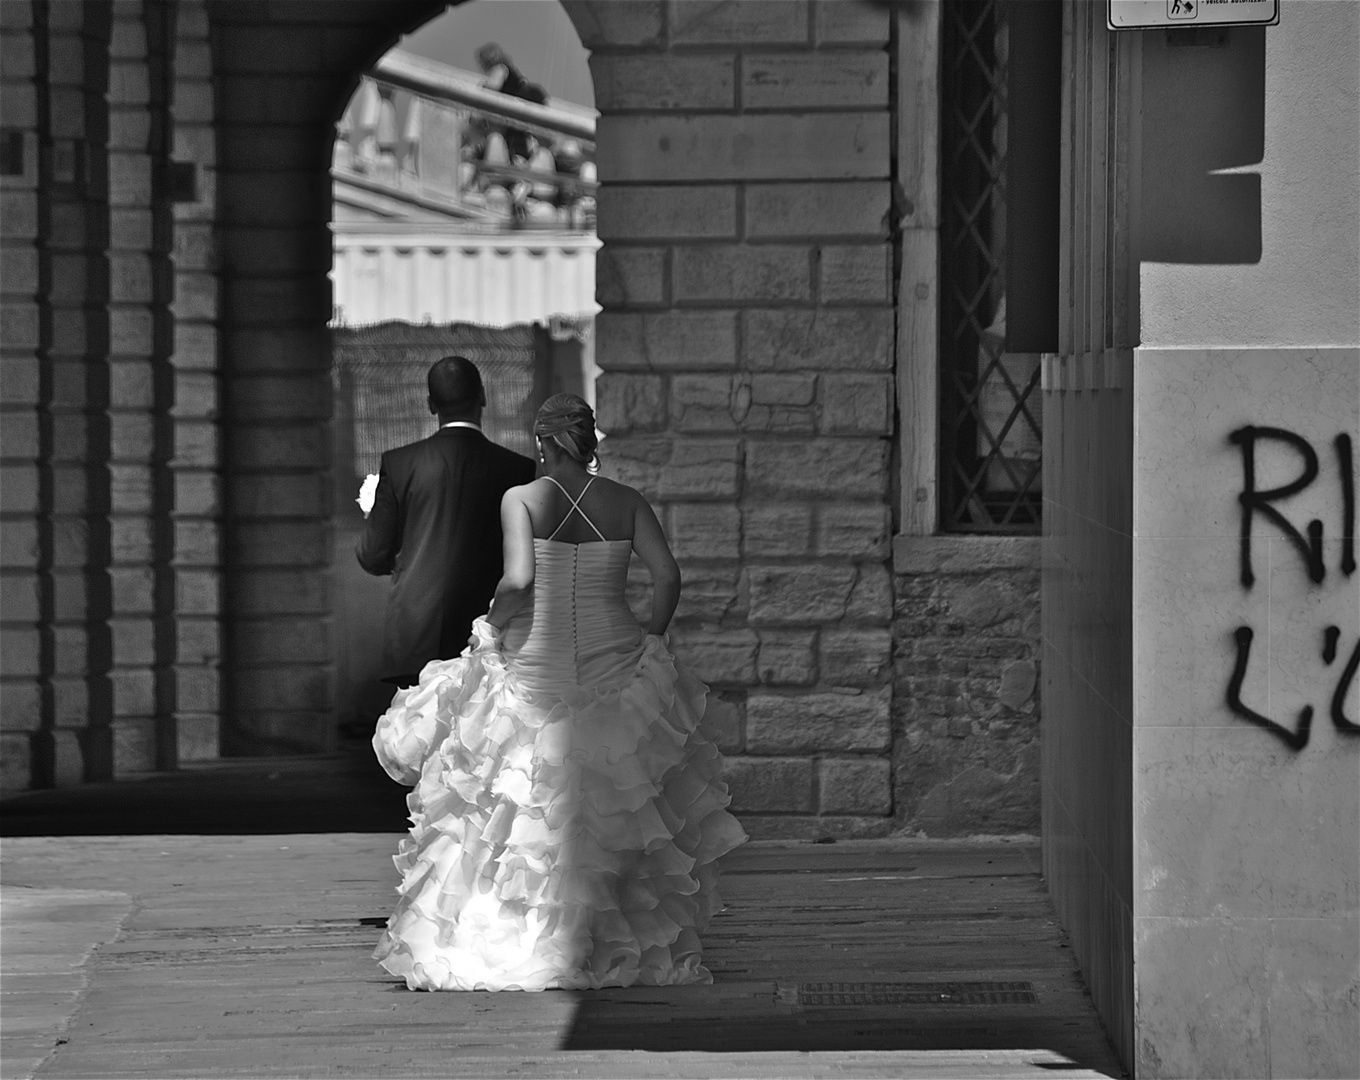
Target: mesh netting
x,y
379,375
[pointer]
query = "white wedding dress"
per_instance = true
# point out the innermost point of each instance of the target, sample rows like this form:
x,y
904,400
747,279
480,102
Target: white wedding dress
x,y
567,813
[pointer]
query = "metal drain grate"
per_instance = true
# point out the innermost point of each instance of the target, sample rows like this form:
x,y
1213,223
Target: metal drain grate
x,y
846,994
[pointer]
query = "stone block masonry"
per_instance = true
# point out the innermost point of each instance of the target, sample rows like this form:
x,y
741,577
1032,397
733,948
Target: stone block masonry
x,y
749,390
746,345
966,700
167,488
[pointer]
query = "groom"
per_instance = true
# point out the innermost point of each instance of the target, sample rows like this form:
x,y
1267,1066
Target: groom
x,y
435,525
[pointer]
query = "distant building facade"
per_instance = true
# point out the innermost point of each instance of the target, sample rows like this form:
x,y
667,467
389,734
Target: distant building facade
x,y
436,222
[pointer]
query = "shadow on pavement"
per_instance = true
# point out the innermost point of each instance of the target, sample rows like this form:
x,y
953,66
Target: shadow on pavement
x,y
672,1020
342,792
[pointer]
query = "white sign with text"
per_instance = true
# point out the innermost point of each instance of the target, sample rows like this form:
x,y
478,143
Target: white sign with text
x,y
1146,14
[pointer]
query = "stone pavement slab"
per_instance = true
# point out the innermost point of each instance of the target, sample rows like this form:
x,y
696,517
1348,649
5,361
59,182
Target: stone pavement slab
x,y
249,956
46,936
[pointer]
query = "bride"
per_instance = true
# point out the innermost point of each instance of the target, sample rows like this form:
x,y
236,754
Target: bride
x,y
567,813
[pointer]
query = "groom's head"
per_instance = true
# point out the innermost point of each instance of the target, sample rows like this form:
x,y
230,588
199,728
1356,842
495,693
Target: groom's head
x,y
456,391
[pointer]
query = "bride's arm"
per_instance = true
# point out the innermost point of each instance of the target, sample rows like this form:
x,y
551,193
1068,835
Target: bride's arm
x,y
649,543
517,580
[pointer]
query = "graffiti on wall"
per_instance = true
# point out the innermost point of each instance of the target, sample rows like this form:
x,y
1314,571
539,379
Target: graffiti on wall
x,y
1307,542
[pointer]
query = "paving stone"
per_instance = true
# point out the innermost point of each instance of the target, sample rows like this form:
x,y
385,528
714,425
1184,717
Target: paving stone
x,y
214,943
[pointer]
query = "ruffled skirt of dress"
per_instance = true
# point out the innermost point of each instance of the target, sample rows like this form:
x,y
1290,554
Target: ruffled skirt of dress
x,y
558,840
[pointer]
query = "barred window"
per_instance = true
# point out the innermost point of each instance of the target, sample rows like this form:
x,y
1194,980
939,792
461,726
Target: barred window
x,y
1000,117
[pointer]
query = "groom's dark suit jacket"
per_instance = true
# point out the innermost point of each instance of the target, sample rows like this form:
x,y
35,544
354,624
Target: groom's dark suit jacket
x,y
435,527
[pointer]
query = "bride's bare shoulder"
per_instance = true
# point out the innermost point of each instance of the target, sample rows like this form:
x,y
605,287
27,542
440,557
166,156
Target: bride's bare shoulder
x,y
530,494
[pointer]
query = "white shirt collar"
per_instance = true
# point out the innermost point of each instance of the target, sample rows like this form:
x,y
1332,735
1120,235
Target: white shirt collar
x,y
461,423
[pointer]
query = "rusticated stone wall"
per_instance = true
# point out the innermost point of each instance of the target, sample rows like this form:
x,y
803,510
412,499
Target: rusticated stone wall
x,y
283,71
112,640
966,701
746,344
168,588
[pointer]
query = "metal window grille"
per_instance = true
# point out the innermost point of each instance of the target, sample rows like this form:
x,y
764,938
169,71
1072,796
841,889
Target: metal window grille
x,y
990,426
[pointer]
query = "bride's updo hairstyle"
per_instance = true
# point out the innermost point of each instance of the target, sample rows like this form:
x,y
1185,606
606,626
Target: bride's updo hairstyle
x,y
569,422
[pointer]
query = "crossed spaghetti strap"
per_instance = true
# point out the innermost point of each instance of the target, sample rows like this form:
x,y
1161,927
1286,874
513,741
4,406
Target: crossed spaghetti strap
x,y
575,506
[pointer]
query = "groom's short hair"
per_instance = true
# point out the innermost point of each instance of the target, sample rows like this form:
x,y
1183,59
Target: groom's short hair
x,y
455,384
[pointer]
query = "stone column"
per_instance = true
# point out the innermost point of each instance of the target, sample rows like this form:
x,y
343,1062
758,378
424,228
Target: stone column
x,y
21,399
140,387
746,345
195,413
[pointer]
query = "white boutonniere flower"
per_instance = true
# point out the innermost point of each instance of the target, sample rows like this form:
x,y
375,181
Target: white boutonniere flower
x,y
368,492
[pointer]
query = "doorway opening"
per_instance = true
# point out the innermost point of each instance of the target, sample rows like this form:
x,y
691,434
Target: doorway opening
x,y
463,222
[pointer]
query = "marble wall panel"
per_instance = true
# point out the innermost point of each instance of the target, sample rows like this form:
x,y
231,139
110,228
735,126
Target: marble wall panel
x,y
1087,733
1246,773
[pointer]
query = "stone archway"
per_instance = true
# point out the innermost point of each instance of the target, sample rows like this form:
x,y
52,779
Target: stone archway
x,y
284,72
753,388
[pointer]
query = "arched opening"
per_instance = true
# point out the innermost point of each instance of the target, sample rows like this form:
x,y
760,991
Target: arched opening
x,y
463,221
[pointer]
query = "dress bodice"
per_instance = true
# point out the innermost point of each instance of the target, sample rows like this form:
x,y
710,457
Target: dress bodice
x,y
567,810
577,628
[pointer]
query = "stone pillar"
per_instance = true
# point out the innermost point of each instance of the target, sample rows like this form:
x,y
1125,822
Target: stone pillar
x,y
1246,625
1088,522
141,389
746,345
21,399
56,224
195,414
1201,630
81,701
282,73
274,201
